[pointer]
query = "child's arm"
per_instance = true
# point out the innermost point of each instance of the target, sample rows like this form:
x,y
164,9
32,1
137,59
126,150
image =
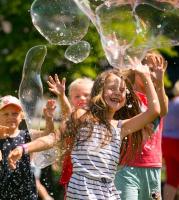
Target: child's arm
x,y
139,121
58,88
49,115
42,191
159,68
40,144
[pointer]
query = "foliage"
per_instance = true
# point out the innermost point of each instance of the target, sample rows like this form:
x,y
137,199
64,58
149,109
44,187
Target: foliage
x,y
18,35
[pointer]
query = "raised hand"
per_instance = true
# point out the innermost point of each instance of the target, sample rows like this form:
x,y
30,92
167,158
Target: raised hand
x,y
56,86
14,156
138,67
157,66
50,108
113,46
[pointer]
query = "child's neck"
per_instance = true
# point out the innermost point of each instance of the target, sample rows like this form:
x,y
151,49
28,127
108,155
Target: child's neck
x,y
110,116
15,133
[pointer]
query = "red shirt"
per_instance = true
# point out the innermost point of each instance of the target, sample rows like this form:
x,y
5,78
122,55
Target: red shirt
x,y
66,170
151,153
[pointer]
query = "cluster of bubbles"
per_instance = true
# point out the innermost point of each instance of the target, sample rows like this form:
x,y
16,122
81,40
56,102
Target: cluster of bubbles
x,y
127,29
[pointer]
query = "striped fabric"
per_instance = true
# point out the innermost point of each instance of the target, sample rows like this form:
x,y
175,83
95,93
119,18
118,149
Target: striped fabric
x,y
94,167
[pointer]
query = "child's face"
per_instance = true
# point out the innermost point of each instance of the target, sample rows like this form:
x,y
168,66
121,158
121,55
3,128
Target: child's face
x,y
11,116
80,95
114,92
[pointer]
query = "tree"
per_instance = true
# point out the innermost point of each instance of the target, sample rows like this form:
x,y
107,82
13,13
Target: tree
x,y
18,35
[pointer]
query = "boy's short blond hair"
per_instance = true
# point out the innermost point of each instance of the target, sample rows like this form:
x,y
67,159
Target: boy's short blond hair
x,y
79,82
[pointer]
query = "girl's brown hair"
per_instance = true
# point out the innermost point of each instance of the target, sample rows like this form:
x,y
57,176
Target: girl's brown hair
x,y
97,113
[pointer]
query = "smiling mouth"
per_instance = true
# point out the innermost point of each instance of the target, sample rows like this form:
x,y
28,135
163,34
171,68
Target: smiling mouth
x,y
82,104
116,100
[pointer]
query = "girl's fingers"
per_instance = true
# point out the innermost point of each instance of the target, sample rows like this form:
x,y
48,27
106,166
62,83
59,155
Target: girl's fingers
x,y
154,61
52,90
57,79
50,84
165,64
159,61
63,81
51,80
50,103
12,165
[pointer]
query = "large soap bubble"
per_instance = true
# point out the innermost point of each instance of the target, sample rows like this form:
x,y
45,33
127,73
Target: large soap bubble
x,y
162,20
129,28
59,21
122,33
45,158
30,89
88,8
78,52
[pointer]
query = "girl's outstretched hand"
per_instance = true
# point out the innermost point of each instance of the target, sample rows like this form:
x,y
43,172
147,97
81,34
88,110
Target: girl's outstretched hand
x,y
56,86
157,66
114,47
14,156
50,108
138,67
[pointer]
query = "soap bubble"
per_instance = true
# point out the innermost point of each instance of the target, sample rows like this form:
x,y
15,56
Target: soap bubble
x,y
130,28
122,33
59,21
88,8
45,158
78,52
161,18
31,89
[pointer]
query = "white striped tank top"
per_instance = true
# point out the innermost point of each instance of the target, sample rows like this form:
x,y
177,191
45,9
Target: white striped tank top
x,y
94,162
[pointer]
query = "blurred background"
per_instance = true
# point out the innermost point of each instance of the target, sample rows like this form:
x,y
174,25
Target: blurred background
x,y
18,35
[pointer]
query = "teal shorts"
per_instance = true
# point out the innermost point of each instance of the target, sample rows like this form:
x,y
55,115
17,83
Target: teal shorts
x,y
136,183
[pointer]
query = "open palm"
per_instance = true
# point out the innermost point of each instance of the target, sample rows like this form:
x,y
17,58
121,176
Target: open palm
x,y
56,86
